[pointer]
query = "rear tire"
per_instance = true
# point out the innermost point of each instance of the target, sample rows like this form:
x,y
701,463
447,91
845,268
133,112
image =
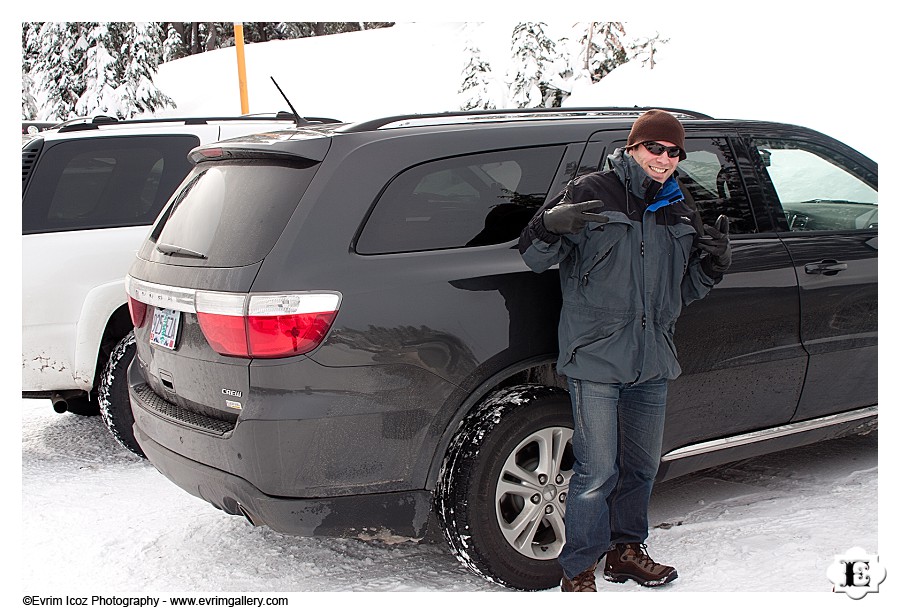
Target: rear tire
x,y
115,406
502,491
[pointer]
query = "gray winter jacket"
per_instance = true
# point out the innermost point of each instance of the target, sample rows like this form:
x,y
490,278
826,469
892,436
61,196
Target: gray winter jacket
x,y
625,282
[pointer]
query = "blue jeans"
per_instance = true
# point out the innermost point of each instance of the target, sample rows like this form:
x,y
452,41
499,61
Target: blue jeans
x,y
617,444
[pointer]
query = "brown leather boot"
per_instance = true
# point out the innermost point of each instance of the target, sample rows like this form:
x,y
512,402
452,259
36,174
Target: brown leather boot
x,y
631,562
585,582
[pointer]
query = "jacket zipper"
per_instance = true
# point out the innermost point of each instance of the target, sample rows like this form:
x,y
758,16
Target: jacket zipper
x,y
644,315
584,278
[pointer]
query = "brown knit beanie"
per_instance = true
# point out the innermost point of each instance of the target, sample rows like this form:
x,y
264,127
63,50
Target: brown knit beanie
x,y
657,125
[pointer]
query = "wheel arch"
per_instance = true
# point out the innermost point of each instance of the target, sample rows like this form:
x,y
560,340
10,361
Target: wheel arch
x,y
539,371
117,327
104,314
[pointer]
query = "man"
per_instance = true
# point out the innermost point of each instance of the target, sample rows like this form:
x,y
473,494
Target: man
x,y
630,258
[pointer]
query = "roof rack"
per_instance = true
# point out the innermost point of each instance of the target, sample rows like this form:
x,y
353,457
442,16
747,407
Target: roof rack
x,y
94,123
452,117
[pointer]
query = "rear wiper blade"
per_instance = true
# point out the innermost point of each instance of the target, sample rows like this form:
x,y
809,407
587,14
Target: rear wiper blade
x,y
175,250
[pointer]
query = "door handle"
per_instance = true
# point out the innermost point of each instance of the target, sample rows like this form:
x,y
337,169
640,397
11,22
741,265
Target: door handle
x,y
825,267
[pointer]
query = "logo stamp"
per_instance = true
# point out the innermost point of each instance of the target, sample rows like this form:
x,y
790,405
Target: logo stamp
x,y
856,573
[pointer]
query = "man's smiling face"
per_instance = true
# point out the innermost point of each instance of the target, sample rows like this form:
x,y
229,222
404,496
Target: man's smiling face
x,y
658,167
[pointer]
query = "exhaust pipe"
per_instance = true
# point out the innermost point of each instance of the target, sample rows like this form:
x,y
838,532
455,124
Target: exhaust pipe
x,y
60,404
60,400
246,515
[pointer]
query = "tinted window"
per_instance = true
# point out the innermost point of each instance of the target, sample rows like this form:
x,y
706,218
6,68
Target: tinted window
x,y
711,179
104,182
480,199
227,215
818,189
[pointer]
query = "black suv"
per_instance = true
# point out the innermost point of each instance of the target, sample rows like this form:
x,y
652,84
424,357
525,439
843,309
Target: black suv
x,y
336,334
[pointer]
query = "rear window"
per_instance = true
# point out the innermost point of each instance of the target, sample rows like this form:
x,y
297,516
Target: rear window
x,y
229,214
104,182
467,201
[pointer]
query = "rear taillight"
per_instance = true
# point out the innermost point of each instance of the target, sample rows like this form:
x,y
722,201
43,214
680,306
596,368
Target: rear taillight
x,y
138,311
136,307
221,318
244,325
265,325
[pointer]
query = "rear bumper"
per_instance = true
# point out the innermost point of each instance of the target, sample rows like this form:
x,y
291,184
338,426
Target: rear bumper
x,y
304,462
371,515
306,430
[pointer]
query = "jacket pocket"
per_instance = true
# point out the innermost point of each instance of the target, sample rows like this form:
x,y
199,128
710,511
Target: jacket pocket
x,y
594,331
601,249
682,236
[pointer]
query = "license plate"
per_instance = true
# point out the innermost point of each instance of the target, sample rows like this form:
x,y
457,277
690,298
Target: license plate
x,y
164,330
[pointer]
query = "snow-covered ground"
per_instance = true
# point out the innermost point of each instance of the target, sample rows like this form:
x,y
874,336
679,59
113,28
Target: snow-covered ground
x,y
97,520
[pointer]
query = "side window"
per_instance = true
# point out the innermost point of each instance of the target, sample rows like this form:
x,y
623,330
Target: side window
x,y
104,182
480,199
818,189
709,177
594,158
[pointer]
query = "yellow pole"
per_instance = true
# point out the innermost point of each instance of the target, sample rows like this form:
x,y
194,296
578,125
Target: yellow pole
x,y
242,70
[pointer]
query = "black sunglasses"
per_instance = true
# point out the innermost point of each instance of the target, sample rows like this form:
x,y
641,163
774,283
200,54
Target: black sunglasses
x,y
656,149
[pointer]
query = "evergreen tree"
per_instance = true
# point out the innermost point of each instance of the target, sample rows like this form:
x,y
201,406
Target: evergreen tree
x,y
190,38
173,45
602,48
121,61
30,53
60,67
645,49
544,70
477,83
81,68
85,68
532,80
264,31
98,92
29,103
141,49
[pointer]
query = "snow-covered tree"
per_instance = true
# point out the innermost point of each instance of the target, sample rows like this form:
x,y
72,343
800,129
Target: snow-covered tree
x,y
59,69
193,37
602,47
29,103
645,49
99,71
30,53
86,68
121,61
141,49
477,86
531,76
544,69
173,44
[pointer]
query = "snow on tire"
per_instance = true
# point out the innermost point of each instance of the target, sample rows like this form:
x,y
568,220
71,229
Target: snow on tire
x,y
503,486
115,406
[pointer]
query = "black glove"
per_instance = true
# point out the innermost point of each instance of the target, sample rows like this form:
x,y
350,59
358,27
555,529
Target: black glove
x,y
717,245
571,218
